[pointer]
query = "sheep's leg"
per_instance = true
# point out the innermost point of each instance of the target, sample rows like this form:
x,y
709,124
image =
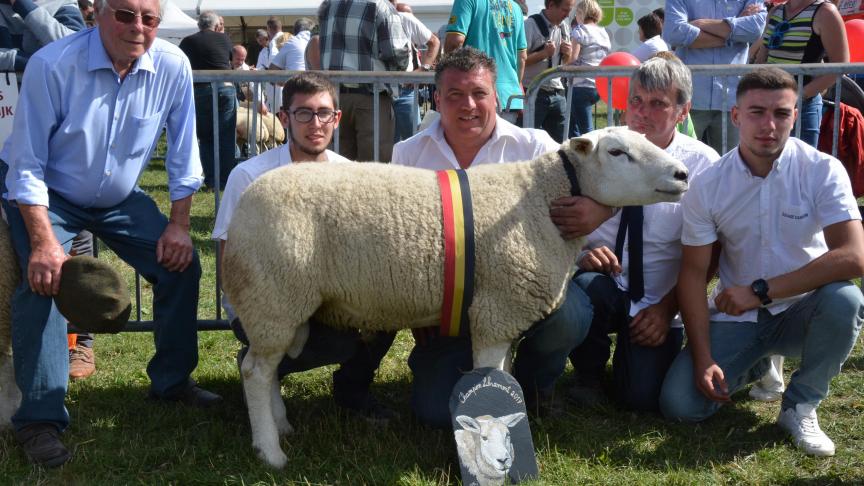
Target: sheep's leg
x,y
10,396
259,375
493,355
280,415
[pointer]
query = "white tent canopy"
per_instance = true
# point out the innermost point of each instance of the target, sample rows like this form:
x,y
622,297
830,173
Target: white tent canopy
x,y
175,24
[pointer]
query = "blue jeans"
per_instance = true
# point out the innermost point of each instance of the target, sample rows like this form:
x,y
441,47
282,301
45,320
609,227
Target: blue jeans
x,y
226,99
582,102
131,229
637,371
810,119
540,359
407,113
820,328
549,113
359,357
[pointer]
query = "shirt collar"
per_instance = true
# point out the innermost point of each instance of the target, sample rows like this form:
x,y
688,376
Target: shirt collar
x,y
777,166
98,56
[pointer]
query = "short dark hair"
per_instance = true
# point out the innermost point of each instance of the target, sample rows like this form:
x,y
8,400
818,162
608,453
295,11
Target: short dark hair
x,y
274,23
465,59
307,83
651,25
770,78
660,13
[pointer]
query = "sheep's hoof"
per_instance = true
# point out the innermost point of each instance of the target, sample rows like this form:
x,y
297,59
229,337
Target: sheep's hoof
x,y
284,427
275,459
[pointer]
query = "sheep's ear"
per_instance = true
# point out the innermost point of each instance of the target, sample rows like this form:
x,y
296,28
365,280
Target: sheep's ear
x,y
582,145
512,419
468,423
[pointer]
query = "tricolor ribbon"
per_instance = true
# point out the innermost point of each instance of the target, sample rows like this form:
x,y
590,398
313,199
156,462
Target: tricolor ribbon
x,y
458,216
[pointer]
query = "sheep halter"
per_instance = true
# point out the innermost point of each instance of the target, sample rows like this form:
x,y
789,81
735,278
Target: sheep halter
x,y
458,216
575,190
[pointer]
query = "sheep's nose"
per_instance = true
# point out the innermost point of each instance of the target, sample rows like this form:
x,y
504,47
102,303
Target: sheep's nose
x,y
681,175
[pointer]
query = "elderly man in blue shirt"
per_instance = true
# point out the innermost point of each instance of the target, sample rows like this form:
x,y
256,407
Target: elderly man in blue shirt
x,y
715,32
91,108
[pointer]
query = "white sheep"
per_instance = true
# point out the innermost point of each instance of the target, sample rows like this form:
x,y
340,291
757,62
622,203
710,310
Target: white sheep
x,y
362,246
484,446
10,396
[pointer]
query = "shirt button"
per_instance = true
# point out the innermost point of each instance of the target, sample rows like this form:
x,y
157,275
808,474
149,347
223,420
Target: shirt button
x,y
107,172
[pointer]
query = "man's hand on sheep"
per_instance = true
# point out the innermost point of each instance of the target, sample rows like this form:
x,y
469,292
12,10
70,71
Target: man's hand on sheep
x,y
600,260
578,216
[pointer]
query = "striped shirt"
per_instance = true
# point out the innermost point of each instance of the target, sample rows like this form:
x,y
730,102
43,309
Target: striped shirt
x,y
799,44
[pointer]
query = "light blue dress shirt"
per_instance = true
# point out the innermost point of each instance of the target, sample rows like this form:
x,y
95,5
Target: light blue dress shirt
x,y
84,133
679,34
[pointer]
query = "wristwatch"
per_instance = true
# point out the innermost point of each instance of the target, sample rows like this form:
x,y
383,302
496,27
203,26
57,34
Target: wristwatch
x,y
426,67
760,288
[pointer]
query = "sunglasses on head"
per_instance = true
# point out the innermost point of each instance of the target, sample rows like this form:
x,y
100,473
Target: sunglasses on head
x,y
776,38
128,17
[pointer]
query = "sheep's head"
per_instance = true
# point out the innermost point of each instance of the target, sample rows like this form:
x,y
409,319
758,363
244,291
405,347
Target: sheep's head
x,y
493,449
619,167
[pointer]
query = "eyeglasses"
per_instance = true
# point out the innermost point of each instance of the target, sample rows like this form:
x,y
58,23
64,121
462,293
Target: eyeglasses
x,y
149,21
776,39
304,115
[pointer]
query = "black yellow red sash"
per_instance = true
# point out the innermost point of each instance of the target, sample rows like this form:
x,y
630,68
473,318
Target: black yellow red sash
x,y
458,216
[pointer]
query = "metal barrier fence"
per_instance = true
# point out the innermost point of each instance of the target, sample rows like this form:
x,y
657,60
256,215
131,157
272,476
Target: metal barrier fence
x,y
257,79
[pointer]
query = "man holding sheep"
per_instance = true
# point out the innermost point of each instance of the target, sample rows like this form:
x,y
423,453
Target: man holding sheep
x,y
310,116
91,108
640,310
791,239
470,133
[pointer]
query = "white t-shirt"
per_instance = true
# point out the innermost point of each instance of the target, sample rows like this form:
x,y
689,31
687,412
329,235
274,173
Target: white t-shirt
x,y
292,55
594,46
652,46
661,234
244,174
417,32
428,149
767,226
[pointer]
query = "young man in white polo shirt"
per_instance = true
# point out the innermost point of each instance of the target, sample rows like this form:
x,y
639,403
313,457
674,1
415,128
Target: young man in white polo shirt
x,y
310,117
649,334
791,240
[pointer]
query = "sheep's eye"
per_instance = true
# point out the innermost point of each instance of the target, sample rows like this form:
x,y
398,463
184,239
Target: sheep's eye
x,y
616,152
485,438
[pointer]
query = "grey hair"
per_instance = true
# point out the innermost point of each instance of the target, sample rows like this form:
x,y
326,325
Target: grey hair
x,y
261,33
303,24
662,73
208,20
99,5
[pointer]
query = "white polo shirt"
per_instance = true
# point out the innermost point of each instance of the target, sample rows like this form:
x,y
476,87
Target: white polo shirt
x,y
661,234
428,149
767,227
244,174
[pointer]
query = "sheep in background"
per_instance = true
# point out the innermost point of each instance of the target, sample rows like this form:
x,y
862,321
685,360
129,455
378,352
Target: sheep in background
x,y
362,247
484,446
10,396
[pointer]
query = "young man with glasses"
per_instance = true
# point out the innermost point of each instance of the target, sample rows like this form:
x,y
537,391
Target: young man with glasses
x,y
310,116
91,108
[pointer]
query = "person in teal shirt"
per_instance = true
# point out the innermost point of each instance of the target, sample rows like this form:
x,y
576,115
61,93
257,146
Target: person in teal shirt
x,y
497,28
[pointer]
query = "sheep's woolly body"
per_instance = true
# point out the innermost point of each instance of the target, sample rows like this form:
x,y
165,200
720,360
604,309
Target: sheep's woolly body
x,y
10,397
364,256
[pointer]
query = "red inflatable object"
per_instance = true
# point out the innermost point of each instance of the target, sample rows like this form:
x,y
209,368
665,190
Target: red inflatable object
x,y
855,37
620,84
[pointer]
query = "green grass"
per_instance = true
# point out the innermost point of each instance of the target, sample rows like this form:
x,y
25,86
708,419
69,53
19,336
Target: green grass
x,y
120,438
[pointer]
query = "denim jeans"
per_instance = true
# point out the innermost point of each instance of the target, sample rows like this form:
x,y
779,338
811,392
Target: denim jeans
x,y
540,359
637,371
226,100
709,129
359,357
582,102
131,229
407,113
820,328
549,113
810,119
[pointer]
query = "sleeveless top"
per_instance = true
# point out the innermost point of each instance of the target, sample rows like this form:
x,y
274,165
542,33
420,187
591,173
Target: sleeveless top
x,y
799,45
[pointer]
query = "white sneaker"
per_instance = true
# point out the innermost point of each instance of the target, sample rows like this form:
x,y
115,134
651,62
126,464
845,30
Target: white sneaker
x,y
802,424
763,394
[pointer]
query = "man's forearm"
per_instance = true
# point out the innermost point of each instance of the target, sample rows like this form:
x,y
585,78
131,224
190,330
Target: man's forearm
x,y
716,27
707,40
691,292
180,211
453,41
38,224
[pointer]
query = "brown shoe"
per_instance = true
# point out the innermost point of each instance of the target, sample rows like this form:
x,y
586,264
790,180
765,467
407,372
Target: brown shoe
x,y
82,362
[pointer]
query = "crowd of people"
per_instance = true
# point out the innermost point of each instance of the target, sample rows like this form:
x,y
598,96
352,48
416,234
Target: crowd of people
x,y
773,217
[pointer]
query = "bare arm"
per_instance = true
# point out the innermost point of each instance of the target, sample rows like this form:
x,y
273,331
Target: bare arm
x,y
520,69
432,48
453,41
828,24
174,249
46,254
